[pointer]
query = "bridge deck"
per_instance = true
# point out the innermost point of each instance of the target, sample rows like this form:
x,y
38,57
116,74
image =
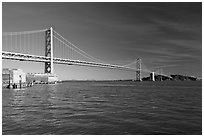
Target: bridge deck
x,y
37,58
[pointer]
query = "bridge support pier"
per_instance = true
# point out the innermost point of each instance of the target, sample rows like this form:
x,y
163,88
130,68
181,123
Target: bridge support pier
x,y
49,50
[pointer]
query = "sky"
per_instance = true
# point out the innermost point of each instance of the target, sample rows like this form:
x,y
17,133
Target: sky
x,y
161,34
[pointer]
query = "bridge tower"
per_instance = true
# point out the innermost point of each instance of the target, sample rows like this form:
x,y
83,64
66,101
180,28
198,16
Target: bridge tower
x,y
49,50
138,72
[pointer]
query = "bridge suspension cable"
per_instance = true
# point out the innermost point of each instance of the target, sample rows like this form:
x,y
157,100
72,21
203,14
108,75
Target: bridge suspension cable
x,y
73,49
87,55
130,63
22,32
159,69
27,42
143,67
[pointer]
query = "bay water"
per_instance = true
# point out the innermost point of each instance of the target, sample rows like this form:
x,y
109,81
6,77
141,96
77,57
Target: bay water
x,y
104,108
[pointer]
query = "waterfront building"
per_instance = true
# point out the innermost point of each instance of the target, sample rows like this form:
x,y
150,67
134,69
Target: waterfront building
x,y
41,78
13,77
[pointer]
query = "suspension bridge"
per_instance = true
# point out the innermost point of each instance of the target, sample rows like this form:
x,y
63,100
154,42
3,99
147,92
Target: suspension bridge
x,y
27,46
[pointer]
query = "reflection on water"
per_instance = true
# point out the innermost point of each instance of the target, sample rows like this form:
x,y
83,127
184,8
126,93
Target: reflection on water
x,y
104,108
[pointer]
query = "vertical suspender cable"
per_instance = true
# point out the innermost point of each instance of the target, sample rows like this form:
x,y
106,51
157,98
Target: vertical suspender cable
x,y
5,38
58,49
20,42
34,52
16,42
26,51
60,45
36,38
31,45
56,45
39,42
71,54
35,43
32,40
25,44
64,52
11,42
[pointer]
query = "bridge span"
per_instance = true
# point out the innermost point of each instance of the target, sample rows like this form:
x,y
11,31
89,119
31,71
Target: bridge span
x,y
26,46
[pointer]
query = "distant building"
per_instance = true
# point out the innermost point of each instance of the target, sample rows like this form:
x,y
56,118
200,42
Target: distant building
x,y
13,77
41,78
152,77
183,78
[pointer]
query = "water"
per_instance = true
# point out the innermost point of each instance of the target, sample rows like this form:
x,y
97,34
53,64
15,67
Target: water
x,y
108,108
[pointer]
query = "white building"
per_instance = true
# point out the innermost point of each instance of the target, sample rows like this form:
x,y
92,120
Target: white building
x,y
13,76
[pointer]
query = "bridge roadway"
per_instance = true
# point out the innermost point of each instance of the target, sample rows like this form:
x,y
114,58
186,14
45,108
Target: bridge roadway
x,y
37,58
